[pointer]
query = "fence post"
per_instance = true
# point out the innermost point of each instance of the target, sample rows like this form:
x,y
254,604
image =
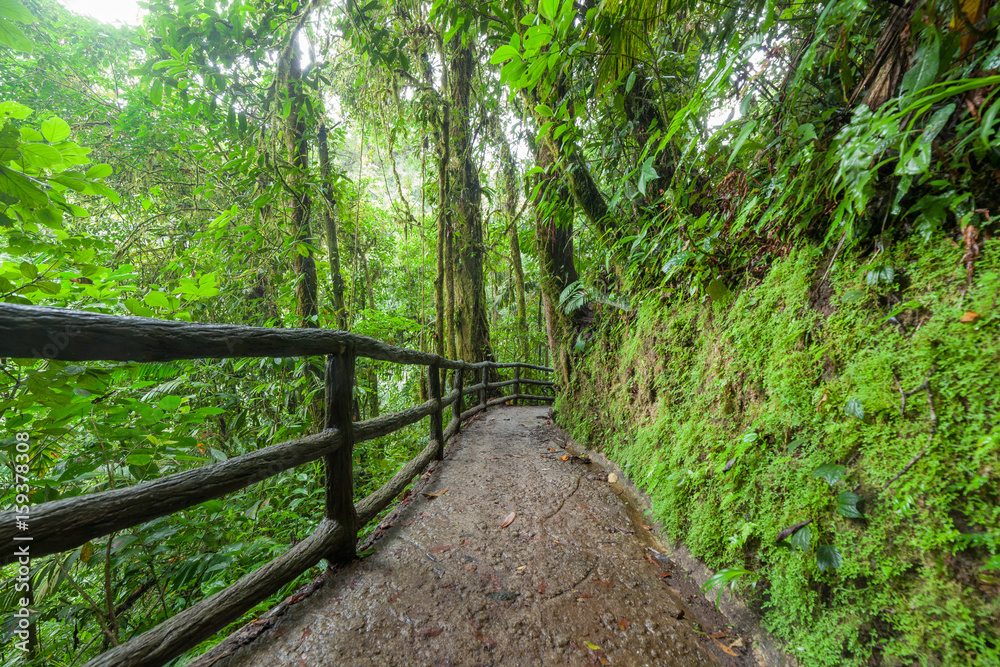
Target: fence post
x,y
486,384
459,404
339,464
437,432
517,383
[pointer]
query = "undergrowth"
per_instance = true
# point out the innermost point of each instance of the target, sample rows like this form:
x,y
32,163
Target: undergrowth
x,y
723,414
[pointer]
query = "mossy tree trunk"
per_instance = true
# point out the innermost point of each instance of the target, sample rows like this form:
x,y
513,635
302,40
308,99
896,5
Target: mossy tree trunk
x,y
510,218
554,233
471,322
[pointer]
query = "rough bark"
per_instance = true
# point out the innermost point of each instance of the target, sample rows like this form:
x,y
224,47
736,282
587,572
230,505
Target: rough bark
x,y
471,323
332,243
554,233
510,218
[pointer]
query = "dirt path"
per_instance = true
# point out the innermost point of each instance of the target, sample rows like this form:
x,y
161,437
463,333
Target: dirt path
x,y
567,582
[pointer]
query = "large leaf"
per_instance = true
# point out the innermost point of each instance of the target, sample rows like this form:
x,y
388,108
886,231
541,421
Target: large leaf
x,y
847,505
55,129
25,189
828,558
926,62
12,36
855,408
831,472
800,538
646,174
15,11
41,156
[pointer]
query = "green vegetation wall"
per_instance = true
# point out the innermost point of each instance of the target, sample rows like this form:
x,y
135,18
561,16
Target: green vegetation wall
x,y
803,399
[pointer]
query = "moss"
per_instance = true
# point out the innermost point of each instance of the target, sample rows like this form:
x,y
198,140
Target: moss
x,y
766,383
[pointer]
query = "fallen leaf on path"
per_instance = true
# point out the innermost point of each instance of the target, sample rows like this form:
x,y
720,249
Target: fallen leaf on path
x,y
647,527
564,457
719,634
612,478
432,496
438,550
553,449
623,624
738,643
521,567
541,587
664,575
394,597
583,596
969,317
430,632
725,648
485,639
509,520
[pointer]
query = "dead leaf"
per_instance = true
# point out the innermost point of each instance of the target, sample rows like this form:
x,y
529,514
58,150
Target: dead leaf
x,y
583,596
564,457
623,624
738,643
552,449
969,317
664,575
612,478
647,527
438,550
432,496
430,632
725,648
719,634
509,520
485,639
541,587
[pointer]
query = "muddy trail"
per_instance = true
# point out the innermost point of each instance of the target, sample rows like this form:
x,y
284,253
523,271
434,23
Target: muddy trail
x,y
511,551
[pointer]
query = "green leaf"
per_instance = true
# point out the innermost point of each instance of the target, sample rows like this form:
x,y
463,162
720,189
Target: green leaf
x,y
831,472
647,174
170,403
855,408
40,155
26,189
718,290
12,36
986,128
55,129
676,263
14,110
29,270
136,308
543,110
880,274
800,538
828,558
503,53
15,11
740,140
156,91
158,300
926,62
100,171
548,8
847,505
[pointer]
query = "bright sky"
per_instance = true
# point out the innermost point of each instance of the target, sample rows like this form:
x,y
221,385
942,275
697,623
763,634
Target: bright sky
x,y
106,11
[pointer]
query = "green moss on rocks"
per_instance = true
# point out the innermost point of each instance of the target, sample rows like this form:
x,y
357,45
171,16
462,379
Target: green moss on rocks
x,y
793,374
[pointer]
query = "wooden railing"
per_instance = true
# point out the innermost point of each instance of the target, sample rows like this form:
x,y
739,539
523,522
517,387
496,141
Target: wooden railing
x,y
71,335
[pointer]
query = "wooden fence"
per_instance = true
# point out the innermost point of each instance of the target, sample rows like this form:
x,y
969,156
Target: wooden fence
x,y
71,335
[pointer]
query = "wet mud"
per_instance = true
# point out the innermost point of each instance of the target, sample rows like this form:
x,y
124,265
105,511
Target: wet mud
x,y
514,552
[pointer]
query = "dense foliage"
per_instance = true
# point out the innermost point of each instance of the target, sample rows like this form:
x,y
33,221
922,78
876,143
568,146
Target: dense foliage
x,y
480,180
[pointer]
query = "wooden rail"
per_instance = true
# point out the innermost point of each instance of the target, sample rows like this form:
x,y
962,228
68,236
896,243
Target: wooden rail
x,y
55,333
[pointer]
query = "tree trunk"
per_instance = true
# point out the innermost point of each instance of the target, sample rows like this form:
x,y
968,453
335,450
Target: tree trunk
x,y
510,217
443,204
303,261
554,233
471,323
330,218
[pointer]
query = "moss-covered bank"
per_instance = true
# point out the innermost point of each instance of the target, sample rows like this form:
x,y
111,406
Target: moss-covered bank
x,y
724,413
